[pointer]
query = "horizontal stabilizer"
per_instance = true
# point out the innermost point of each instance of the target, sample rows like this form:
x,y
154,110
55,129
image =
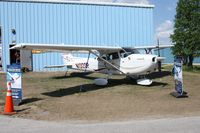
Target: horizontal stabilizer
x,y
57,66
154,47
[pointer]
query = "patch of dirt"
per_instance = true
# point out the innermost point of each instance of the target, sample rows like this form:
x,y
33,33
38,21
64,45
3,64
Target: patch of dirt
x,y
55,97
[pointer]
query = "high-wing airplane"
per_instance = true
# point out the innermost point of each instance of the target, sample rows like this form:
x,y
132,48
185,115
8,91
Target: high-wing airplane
x,y
109,60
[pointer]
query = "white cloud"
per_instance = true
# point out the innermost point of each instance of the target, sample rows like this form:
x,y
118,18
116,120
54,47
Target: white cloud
x,y
164,30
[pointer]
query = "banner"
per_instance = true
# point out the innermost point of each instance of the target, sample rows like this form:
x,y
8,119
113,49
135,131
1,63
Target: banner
x,y
178,76
14,76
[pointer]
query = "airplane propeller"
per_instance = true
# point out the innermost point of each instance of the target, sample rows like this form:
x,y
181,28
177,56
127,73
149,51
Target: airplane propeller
x,y
159,60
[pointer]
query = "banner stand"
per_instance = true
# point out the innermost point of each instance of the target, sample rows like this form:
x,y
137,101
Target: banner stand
x,y
177,95
14,76
178,78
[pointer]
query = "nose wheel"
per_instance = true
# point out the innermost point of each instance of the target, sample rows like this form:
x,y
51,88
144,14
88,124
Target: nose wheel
x,y
144,81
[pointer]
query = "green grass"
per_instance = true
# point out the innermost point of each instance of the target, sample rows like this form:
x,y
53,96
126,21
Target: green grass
x,y
195,69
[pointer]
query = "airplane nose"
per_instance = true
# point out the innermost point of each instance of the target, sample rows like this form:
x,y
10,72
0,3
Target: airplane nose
x,y
156,59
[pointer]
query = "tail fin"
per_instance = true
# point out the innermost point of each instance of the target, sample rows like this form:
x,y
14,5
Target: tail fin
x,y
68,59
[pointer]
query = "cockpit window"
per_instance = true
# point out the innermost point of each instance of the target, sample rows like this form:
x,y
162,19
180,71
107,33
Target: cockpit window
x,y
113,56
123,53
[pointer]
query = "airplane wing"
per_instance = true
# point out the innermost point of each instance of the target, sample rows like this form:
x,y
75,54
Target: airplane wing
x,y
63,47
78,48
153,47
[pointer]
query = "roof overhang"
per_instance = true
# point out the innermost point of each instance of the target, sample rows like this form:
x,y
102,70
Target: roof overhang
x,y
84,3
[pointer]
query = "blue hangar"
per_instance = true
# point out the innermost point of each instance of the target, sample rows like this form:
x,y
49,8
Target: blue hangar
x,y
66,22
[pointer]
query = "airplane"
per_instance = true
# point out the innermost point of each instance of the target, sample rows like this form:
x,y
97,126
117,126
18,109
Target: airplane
x,y
109,60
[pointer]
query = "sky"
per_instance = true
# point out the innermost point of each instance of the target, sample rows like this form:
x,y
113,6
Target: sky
x,y
164,13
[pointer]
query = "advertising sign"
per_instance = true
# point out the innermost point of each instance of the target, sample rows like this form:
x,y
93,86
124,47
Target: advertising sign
x,y
14,76
178,76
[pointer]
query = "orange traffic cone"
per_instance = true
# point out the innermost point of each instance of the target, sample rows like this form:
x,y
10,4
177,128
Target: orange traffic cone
x,y
9,108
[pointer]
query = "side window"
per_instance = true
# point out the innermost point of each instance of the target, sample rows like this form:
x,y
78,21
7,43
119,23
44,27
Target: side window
x,y
114,56
104,57
123,54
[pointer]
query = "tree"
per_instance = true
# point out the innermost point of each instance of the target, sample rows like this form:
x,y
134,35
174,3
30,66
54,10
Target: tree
x,y
186,36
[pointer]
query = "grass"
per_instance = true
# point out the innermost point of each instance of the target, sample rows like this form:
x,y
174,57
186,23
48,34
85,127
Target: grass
x,y
195,69
53,96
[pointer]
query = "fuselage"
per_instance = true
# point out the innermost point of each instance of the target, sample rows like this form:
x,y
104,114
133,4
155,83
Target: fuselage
x,y
129,63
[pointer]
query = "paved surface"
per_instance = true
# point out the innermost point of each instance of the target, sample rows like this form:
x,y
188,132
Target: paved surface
x,y
170,125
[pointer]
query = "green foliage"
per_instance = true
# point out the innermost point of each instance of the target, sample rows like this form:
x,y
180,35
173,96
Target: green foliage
x,y
186,37
195,69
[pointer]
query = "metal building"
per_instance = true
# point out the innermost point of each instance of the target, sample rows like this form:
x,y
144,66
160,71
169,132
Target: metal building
x,y
56,22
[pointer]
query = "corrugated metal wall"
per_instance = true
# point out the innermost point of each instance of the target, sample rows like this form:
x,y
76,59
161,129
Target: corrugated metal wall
x,y
73,23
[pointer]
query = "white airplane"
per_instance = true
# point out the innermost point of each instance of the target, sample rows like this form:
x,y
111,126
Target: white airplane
x,y
108,60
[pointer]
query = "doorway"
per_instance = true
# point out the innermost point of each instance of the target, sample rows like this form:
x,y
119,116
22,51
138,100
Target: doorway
x,y
21,57
14,56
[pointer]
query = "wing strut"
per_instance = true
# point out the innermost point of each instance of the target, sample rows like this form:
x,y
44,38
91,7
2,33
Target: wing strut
x,y
107,62
87,62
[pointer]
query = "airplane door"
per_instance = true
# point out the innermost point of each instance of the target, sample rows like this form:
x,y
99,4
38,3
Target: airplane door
x,y
115,60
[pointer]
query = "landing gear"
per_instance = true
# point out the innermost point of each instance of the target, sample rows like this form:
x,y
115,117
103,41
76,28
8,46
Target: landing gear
x,y
159,66
142,80
66,73
102,81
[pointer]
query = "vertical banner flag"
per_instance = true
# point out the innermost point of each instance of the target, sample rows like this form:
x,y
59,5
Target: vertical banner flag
x,y
14,76
178,77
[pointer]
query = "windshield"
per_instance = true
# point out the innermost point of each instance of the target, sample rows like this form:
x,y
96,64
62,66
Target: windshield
x,y
128,51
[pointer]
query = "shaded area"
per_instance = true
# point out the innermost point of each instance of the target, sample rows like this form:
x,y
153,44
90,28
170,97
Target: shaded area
x,y
21,110
92,87
158,84
74,75
30,100
70,91
155,75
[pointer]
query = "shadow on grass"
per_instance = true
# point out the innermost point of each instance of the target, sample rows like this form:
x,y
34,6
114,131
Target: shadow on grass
x,y
74,75
21,110
91,87
156,75
30,100
158,84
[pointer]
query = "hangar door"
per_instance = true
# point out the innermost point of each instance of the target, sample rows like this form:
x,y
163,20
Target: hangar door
x,y
23,57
